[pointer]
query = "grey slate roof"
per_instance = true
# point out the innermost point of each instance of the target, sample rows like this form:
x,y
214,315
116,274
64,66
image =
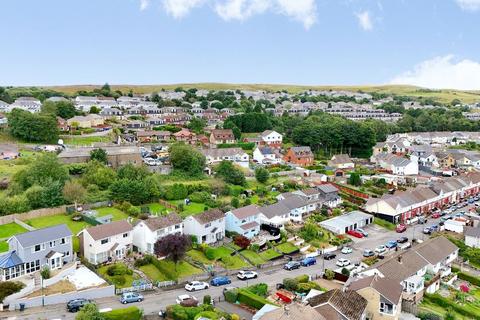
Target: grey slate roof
x,y
472,232
294,202
28,239
274,210
327,188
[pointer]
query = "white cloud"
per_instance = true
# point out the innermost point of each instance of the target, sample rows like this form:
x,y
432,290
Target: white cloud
x,y
469,5
303,11
443,72
144,4
364,20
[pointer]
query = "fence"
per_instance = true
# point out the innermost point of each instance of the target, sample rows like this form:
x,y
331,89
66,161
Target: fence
x,y
140,288
164,284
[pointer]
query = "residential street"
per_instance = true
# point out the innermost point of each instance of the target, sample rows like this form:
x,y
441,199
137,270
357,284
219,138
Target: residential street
x,y
158,300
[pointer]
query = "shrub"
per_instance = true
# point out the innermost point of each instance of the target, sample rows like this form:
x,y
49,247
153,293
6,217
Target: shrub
x,y
429,316
473,280
448,304
290,284
45,273
304,278
235,316
118,280
210,253
207,299
199,196
231,295
176,191
255,247
206,315
143,261
260,289
345,272
251,300
133,211
9,287
241,241
329,274
306,287
118,269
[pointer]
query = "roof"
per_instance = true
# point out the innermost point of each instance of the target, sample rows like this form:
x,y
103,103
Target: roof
x,y
31,238
221,133
327,188
157,223
471,232
348,303
302,151
111,150
209,216
9,260
103,231
249,225
274,210
388,288
294,202
436,249
222,152
340,159
245,212
294,311
345,220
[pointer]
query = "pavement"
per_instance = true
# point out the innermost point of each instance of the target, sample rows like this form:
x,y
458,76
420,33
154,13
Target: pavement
x,y
159,299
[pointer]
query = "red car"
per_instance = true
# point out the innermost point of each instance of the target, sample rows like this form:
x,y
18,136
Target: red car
x,y
355,233
401,228
436,215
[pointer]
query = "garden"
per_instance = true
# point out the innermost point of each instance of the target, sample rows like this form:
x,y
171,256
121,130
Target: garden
x,y
222,256
118,274
8,230
164,270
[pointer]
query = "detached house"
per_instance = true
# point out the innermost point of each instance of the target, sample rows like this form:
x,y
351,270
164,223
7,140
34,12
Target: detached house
x,y
472,236
341,161
302,156
271,139
30,251
244,221
186,136
208,226
106,242
221,136
267,155
147,232
340,304
235,155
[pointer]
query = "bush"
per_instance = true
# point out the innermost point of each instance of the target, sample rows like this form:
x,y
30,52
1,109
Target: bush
x,y
231,295
118,280
118,269
176,191
210,253
199,196
429,316
178,312
473,280
9,287
251,300
448,304
241,241
143,261
345,272
207,299
255,247
133,211
306,287
45,273
304,278
260,289
207,315
290,284
329,274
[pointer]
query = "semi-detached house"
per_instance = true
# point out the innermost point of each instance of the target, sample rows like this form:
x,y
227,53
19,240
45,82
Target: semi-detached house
x,y
244,221
147,232
208,227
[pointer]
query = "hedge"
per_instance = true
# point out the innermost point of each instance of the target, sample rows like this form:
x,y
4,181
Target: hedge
x,y
252,300
178,312
446,303
130,313
260,289
467,277
207,315
303,278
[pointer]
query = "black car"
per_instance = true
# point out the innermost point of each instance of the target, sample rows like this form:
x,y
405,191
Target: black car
x,y
329,256
292,265
76,304
402,240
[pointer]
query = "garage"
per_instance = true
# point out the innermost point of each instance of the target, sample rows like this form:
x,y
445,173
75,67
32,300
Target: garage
x,y
348,221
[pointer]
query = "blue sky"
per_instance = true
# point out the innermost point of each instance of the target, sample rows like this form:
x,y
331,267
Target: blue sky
x,y
424,42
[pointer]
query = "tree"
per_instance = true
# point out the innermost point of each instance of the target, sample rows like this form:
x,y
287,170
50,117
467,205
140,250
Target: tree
x,y
241,241
73,192
9,287
131,172
99,154
62,109
173,246
94,109
186,159
89,312
197,125
98,174
355,179
134,191
230,173
33,127
235,202
43,171
262,174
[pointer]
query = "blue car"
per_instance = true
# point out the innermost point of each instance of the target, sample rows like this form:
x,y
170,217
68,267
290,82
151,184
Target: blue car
x,y
129,297
391,244
220,281
434,227
310,261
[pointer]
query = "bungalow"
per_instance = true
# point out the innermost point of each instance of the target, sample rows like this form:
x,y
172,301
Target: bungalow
x,y
147,232
384,296
106,242
88,121
396,164
28,252
341,161
340,304
271,139
208,227
236,155
244,221
222,136
267,155
152,135
186,136
302,156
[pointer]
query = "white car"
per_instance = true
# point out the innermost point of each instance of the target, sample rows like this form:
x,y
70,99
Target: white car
x,y
346,250
196,285
245,275
343,262
380,249
184,297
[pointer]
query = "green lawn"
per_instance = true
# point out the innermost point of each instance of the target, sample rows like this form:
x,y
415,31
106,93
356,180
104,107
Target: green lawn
x,y
253,257
3,246
171,272
10,229
192,209
85,141
155,207
128,278
221,252
269,254
153,273
199,256
222,255
287,248
384,224
116,213
234,262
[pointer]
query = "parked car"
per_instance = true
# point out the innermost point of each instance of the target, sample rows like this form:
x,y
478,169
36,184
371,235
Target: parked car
x,y
363,232
402,240
329,256
343,262
346,250
220,281
185,298
427,230
196,285
391,244
76,304
380,249
401,228
422,220
245,275
291,265
434,227
405,246
368,253
355,233
309,261
436,215
129,297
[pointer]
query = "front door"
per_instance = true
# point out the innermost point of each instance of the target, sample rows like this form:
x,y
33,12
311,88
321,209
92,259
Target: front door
x,y
55,263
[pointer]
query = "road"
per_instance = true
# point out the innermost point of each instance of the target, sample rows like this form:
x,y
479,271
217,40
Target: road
x,y
159,299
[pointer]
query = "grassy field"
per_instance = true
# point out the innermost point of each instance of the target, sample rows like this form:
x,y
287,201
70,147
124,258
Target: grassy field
x,y
85,141
287,248
192,209
116,214
155,207
10,229
152,273
3,246
222,255
413,91
269,254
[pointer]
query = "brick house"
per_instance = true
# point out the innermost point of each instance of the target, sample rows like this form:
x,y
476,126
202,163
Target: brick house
x,y
302,156
219,136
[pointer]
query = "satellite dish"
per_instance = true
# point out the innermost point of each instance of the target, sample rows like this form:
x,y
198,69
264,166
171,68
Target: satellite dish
x,y
60,141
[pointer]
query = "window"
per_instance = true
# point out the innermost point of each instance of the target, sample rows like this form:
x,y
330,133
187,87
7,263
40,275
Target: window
x,y
125,235
177,226
208,225
52,244
386,308
37,248
103,241
63,241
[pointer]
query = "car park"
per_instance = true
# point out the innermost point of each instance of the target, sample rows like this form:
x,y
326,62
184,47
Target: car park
x,y
402,240
355,233
185,298
245,275
391,244
368,253
342,262
220,281
401,228
363,232
309,261
291,265
196,285
380,249
329,256
346,250
76,304
405,246
129,297
436,215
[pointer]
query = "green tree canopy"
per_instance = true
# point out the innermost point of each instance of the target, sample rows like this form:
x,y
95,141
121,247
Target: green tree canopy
x,y
33,127
187,159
